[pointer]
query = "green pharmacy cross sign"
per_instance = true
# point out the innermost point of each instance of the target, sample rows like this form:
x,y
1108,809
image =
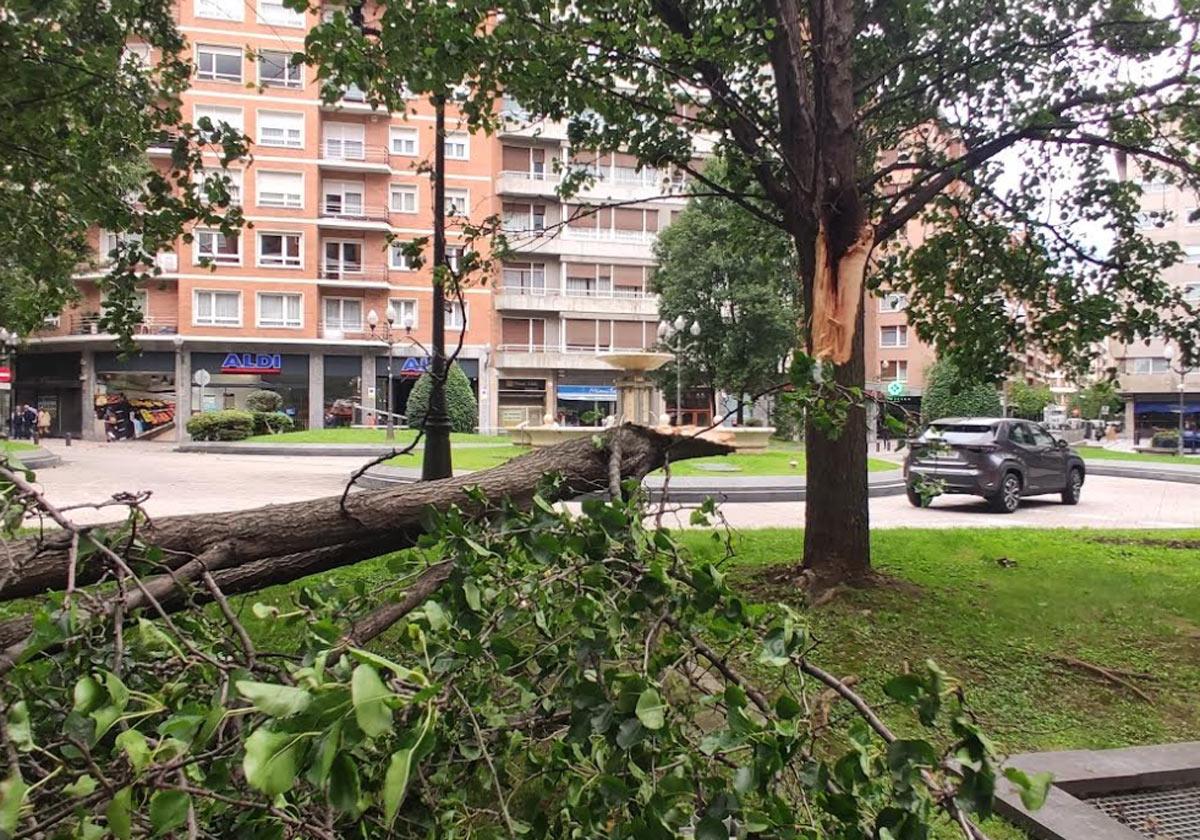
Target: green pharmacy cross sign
x,y
895,389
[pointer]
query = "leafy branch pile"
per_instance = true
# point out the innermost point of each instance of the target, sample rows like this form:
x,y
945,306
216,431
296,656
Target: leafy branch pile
x,y
523,672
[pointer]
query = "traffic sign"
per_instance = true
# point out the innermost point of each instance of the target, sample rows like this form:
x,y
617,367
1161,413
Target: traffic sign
x,y
895,389
5,373
202,377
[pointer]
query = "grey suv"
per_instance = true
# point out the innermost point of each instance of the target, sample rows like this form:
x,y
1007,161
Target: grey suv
x,y
998,458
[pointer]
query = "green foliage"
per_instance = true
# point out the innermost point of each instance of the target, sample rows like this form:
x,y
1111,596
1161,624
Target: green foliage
x,y
1027,401
229,424
736,276
264,401
549,684
1166,440
272,423
948,393
78,114
1090,401
460,401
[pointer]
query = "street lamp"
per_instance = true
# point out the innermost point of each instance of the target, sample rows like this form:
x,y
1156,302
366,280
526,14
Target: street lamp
x,y
1182,370
8,349
387,338
676,330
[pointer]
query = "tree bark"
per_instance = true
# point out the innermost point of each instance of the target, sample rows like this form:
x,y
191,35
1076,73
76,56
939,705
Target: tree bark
x,y
315,535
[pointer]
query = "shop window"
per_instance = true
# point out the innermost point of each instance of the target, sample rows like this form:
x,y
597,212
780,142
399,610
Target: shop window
x,y
280,310
217,308
280,250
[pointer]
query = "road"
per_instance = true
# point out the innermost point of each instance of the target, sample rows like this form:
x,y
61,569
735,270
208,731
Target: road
x,y
196,483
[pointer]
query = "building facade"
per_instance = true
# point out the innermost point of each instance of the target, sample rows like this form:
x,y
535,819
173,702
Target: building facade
x,y
1148,372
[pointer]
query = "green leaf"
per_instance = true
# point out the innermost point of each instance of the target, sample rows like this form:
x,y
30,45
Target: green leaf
x,y
105,717
168,810
344,784
787,707
370,698
711,828
406,674
117,692
650,709
904,753
1034,788
629,733
471,592
272,760
395,784
120,814
88,694
906,688
19,730
135,746
82,786
326,750
279,701
12,795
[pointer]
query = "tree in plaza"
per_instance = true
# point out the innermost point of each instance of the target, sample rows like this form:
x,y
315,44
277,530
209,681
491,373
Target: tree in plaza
x,y
730,272
460,401
1028,401
88,89
952,392
1091,401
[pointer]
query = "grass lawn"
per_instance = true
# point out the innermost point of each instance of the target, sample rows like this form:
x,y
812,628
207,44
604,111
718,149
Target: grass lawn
x,y
1127,600
16,445
473,458
366,436
772,462
1095,453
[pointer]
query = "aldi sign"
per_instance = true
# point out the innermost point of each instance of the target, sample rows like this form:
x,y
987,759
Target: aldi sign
x,y
414,366
259,363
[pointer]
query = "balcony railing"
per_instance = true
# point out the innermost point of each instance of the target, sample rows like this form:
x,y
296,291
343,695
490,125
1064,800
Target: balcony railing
x,y
353,213
515,223
340,330
618,292
150,325
608,235
524,347
350,272
545,175
353,151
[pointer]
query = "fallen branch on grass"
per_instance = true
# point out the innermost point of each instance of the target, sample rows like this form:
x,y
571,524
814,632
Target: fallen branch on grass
x,y
1111,675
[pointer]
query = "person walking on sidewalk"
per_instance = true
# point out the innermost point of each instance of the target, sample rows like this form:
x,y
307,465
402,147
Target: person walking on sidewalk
x,y
43,422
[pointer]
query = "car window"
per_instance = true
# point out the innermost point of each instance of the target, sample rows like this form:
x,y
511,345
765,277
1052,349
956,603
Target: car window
x,y
960,433
1041,437
1019,433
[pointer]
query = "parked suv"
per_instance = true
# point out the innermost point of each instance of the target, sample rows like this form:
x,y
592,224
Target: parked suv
x,y
998,458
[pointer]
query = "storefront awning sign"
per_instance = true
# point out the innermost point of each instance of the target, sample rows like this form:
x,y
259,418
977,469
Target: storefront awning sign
x,y
258,363
588,393
414,366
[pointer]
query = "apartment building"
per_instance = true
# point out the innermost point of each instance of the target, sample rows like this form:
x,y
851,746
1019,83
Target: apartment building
x,y
285,304
1148,372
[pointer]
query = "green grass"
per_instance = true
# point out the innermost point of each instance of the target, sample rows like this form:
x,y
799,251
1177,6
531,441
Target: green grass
x,y
1095,453
473,458
366,436
16,445
771,462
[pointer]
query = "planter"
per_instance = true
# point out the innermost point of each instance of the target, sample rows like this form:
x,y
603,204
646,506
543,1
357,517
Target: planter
x,y
750,438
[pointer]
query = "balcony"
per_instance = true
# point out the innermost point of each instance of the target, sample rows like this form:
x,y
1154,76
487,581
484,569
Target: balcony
x,y
341,215
569,357
164,146
617,301
353,101
344,331
354,156
354,276
524,182
151,325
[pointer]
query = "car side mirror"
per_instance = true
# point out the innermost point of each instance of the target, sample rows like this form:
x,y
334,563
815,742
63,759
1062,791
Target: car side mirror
x,y
1061,444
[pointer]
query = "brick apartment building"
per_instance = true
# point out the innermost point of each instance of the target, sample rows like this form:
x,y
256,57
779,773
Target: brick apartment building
x,y
285,304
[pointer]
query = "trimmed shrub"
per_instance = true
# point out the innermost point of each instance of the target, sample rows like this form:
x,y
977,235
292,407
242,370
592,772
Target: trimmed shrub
x,y
460,401
1166,440
221,425
272,422
264,401
950,394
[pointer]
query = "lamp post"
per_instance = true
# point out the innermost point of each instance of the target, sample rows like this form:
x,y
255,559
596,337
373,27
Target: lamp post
x,y
385,335
668,330
8,346
1182,370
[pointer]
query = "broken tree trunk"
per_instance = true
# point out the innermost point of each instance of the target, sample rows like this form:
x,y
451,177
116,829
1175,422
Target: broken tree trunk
x,y
280,543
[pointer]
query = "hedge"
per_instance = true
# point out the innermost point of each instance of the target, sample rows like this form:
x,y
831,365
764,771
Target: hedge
x,y
272,422
221,425
263,401
460,401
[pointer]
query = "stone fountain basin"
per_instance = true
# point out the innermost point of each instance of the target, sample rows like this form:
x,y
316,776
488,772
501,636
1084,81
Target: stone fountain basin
x,y
635,362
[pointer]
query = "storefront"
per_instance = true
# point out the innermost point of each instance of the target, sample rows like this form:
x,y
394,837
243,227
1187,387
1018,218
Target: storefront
x,y
1160,413
134,397
585,404
342,390
51,381
234,375
406,370
522,401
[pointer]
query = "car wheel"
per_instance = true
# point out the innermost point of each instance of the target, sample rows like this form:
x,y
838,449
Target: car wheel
x,y
1070,493
1008,499
914,497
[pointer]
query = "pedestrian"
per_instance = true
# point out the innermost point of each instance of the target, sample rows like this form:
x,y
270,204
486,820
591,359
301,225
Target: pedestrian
x,y
18,421
31,426
43,422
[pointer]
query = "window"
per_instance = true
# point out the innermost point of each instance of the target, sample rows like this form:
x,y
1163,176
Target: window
x,y
280,189
458,145
893,336
456,315
405,142
892,302
1191,253
454,255
214,246
1146,366
342,198
1019,433
343,313
217,114
217,309
275,69
1191,292
280,310
404,198
218,64
141,302
458,202
274,13
344,141
525,278
281,128
111,240
279,250
138,54
406,311
893,371
1040,437
342,256
219,9
205,177
397,258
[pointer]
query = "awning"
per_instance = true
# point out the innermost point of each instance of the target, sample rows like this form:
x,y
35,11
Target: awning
x,y
1189,407
588,393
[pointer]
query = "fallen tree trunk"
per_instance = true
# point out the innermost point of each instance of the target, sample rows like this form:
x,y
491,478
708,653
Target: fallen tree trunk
x,y
269,545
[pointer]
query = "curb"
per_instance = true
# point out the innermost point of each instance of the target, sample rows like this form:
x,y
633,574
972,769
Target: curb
x,y
349,450
1179,475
